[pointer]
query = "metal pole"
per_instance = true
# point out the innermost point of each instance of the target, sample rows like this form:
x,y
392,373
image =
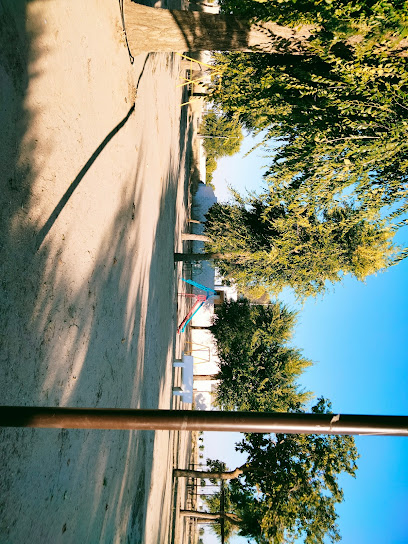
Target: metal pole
x,y
222,511
187,420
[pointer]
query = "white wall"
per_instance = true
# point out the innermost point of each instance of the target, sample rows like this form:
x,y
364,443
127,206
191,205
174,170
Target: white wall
x,y
204,352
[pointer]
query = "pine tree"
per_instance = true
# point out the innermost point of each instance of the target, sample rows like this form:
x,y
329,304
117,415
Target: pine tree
x,y
263,240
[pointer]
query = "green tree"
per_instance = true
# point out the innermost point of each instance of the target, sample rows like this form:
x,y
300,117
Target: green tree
x,y
210,168
338,119
258,369
265,240
337,126
332,90
240,325
222,137
288,488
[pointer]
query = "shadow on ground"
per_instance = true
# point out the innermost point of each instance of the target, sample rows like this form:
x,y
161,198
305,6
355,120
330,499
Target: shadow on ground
x,y
87,312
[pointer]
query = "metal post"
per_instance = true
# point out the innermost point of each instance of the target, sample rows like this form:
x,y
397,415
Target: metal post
x,y
222,511
187,420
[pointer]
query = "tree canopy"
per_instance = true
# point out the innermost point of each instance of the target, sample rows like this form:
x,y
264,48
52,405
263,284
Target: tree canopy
x,y
258,368
335,121
265,240
222,137
338,126
288,487
239,324
296,476
338,119
293,26
372,20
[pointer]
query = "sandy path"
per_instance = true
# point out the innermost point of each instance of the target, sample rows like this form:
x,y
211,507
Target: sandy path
x,y
92,196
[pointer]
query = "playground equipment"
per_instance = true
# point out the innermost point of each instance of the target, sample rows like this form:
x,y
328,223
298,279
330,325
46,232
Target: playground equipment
x,y
200,300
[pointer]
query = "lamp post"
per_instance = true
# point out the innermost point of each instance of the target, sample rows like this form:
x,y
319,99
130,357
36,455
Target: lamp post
x,y
187,420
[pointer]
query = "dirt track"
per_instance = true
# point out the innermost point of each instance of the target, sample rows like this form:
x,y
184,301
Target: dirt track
x,y
93,169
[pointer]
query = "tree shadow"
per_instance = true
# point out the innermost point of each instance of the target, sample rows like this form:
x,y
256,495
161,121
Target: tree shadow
x,y
68,193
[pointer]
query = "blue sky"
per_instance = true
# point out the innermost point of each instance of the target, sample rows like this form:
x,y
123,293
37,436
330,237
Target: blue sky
x,y
357,337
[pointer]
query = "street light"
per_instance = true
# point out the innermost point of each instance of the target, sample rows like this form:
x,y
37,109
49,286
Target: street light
x,y
188,420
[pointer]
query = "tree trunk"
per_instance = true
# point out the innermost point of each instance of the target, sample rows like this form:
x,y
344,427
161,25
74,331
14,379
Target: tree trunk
x,y
211,516
154,29
197,328
205,377
226,475
205,516
186,236
189,257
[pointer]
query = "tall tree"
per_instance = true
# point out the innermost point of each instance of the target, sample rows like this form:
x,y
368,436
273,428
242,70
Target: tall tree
x,y
264,240
258,368
222,138
337,119
222,135
337,125
340,112
288,488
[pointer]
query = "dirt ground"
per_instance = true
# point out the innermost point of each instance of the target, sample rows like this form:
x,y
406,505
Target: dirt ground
x,y
94,156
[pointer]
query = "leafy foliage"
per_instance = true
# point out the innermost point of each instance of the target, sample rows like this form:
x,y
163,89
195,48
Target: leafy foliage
x,y
241,502
210,168
296,476
222,137
339,112
339,124
258,369
265,240
289,488
239,323
375,21
212,501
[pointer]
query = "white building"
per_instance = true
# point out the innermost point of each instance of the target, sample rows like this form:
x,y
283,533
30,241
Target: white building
x,y
203,348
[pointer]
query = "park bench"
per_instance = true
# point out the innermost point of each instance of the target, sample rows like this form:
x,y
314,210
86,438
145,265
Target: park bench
x,y
186,389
